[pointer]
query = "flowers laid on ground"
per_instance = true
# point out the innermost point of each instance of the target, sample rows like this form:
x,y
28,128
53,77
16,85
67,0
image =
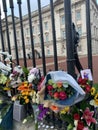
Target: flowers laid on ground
x,y
94,95
57,99
79,116
42,112
4,84
58,90
85,84
25,93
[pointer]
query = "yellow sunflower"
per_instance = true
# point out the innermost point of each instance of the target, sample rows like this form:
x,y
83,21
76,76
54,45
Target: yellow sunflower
x,y
26,100
96,98
25,97
93,90
66,109
96,102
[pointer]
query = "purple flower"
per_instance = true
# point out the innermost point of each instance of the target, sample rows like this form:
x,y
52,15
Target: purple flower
x,y
40,107
42,112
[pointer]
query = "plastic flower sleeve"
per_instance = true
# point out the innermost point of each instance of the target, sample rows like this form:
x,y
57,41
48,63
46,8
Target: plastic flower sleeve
x,y
64,77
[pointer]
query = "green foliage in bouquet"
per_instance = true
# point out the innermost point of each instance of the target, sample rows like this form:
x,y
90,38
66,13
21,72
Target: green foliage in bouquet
x,y
24,76
79,115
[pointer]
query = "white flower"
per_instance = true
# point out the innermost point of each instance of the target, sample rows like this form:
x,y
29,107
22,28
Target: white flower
x,y
31,78
37,98
74,128
24,121
34,71
76,122
0,120
11,76
0,101
34,98
92,102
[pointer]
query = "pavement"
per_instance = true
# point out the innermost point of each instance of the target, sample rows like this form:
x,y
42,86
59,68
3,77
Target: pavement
x,y
62,64
31,126
50,66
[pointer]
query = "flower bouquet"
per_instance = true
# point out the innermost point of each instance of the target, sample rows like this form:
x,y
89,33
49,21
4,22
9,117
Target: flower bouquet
x,y
61,89
79,117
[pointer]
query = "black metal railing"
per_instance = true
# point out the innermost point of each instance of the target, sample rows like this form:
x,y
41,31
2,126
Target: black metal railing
x,y
69,36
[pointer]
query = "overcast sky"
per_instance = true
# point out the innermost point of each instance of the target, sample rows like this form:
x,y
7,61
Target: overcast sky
x,y
33,3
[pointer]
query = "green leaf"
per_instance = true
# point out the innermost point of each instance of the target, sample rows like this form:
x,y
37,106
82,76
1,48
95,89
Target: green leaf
x,y
36,126
68,118
25,70
50,82
96,86
84,104
5,110
70,127
55,85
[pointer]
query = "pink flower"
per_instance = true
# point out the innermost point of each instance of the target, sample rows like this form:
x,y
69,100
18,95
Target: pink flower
x,y
62,95
87,115
85,128
34,71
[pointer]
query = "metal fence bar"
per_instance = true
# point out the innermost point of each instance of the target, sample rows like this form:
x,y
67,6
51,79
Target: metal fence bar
x,y
31,33
69,39
1,32
14,31
54,36
6,21
88,27
22,32
42,39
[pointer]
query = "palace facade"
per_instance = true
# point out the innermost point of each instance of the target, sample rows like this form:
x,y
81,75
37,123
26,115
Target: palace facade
x,y
78,17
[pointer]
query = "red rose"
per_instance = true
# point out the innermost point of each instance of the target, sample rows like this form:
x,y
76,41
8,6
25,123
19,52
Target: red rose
x,y
56,95
80,125
76,116
82,81
62,95
49,87
87,88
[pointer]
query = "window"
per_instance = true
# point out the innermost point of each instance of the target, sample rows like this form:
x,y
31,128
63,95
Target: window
x,y
28,41
46,25
63,34
34,40
47,37
18,43
33,29
38,28
78,15
62,20
39,39
27,31
94,30
79,48
48,52
79,29
17,33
